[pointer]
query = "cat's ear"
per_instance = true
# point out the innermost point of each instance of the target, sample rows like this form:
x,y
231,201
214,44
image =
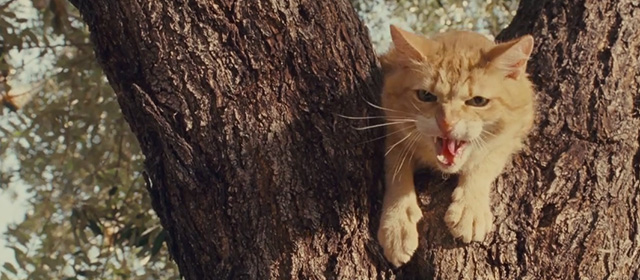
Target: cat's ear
x,y
407,43
512,56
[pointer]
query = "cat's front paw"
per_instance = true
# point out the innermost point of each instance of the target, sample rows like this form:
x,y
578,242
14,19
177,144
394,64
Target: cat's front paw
x,y
469,216
398,233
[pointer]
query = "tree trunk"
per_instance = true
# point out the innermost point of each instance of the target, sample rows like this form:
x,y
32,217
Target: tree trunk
x,y
233,102
568,206
254,177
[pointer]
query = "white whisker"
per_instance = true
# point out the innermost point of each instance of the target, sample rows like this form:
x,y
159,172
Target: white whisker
x,y
474,143
401,120
383,108
416,106
414,146
369,118
480,142
397,143
380,125
487,132
404,155
395,167
387,135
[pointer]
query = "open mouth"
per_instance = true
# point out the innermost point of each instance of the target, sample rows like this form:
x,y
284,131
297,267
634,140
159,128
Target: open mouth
x,y
448,149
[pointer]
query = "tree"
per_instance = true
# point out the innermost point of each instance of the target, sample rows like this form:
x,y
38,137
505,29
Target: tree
x,y
253,176
69,155
568,206
231,110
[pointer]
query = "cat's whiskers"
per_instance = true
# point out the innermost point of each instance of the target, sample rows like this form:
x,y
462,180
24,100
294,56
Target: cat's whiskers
x,y
382,124
398,143
479,142
401,120
386,135
487,133
476,144
405,153
484,134
385,109
398,163
416,106
414,146
391,118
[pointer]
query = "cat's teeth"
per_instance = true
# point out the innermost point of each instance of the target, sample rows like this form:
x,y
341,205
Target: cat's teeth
x,y
442,159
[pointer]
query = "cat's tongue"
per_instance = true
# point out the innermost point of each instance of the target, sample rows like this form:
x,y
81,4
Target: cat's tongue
x,y
449,149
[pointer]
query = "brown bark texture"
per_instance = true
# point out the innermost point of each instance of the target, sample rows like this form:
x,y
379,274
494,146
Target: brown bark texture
x,y
254,177
568,205
233,103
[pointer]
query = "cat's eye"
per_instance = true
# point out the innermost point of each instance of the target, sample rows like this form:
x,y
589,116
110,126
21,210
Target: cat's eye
x,y
477,101
426,96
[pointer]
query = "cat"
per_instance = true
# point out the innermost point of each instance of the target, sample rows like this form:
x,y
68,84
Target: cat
x,y
457,103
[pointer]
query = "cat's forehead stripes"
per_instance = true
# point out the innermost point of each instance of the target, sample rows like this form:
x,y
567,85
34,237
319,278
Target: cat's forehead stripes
x,y
455,60
453,84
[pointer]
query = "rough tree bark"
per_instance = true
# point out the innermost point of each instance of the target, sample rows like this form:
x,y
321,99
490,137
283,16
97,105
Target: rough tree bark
x,y
568,206
253,176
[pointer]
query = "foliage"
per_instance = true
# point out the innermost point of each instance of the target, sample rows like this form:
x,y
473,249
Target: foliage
x,y
432,16
89,214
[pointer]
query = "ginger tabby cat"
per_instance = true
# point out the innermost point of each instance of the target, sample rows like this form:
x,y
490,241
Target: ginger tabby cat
x,y
456,103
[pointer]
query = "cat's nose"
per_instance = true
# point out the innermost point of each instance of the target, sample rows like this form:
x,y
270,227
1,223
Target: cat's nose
x,y
445,126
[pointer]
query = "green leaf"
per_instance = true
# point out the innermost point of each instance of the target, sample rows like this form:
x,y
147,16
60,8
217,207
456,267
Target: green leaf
x,y
94,227
113,191
157,243
87,273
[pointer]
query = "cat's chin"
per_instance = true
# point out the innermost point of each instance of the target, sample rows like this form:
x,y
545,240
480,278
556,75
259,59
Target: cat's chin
x,y
455,167
450,169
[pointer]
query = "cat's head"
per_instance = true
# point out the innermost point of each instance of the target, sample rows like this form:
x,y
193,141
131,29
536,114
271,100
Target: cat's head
x,y
460,89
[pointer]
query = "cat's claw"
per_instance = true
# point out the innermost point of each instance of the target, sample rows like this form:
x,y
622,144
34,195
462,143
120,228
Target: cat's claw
x,y
398,233
469,216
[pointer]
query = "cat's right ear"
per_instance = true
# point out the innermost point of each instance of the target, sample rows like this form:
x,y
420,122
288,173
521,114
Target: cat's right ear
x,y
407,43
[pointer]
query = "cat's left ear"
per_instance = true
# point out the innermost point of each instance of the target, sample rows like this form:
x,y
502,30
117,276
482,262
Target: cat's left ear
x,y
512,56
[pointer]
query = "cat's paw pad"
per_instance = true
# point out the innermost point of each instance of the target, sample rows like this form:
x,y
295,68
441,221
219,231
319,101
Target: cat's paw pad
x,y
398,234
469,217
